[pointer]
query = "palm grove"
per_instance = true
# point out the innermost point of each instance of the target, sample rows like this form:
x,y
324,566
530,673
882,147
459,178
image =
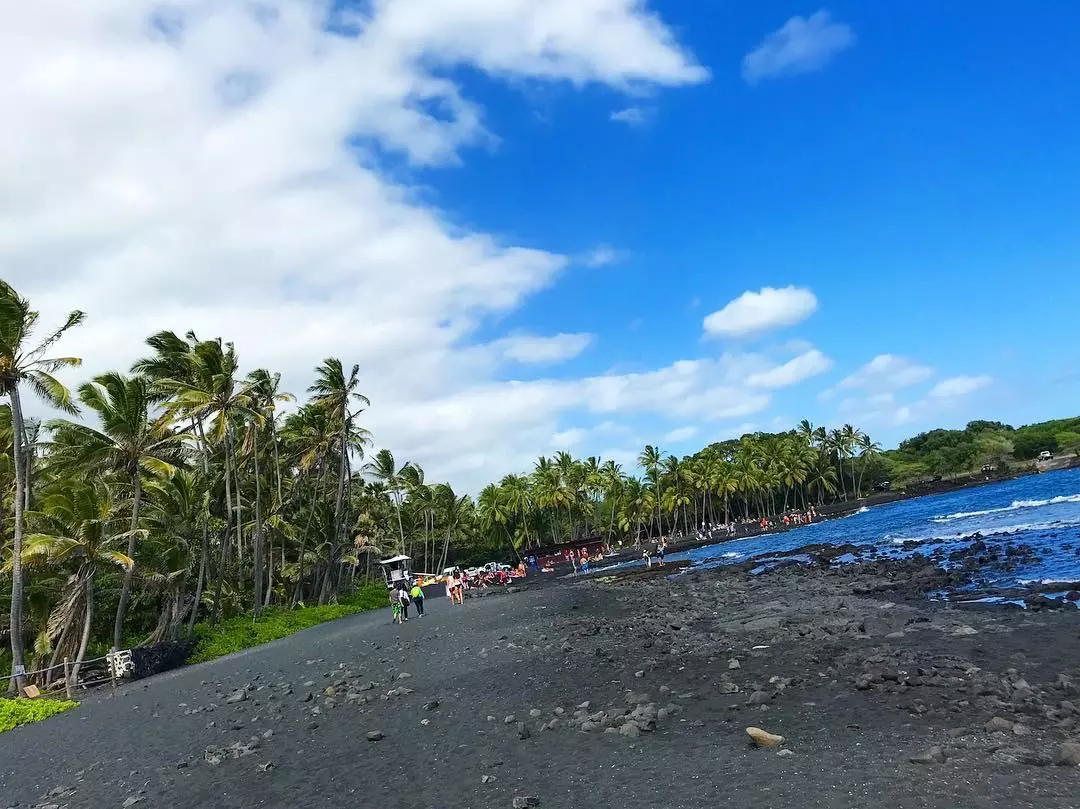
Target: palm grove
x,y
185,491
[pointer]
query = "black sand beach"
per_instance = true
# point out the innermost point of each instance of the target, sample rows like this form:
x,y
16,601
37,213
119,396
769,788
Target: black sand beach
x,y
622,692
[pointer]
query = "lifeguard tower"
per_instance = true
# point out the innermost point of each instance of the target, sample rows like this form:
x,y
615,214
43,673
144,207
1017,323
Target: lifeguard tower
x,y
396,571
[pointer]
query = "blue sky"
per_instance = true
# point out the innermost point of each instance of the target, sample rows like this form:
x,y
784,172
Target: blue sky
x,y
566,224
922,183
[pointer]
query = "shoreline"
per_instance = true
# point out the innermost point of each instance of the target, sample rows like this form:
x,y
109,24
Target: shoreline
x,y
830,511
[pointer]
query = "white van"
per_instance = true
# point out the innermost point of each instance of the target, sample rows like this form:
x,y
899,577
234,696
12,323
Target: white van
x,y
1046,455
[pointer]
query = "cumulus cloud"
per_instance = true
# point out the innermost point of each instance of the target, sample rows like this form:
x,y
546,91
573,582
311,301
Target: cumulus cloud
x,y
631,116
887,372
217,166
543,350
957,386
679,434
762,311
804,366
802,45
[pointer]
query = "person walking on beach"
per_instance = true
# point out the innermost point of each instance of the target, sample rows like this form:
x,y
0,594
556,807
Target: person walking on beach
x,y
660,549
403,599
417,595
459,586
395,607
451,583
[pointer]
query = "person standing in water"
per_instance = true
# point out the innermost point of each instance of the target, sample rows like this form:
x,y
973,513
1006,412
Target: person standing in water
x,y
417,594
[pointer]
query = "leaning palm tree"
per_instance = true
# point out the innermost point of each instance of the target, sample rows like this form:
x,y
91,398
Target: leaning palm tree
x,y
74,533
132,441
24,363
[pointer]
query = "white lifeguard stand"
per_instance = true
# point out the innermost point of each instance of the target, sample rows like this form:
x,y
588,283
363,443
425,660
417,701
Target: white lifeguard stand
x,y
396,571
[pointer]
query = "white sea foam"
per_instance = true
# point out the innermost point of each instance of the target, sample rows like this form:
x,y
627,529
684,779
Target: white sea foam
x,y
1016,506
989,532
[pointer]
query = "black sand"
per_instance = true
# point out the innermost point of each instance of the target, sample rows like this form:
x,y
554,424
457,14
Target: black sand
x,y
861,674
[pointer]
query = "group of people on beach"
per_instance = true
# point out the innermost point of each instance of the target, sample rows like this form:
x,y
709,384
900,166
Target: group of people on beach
x,y
402,596
658,550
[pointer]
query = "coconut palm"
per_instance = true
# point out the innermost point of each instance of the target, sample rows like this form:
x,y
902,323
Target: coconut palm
x,y
23,362
383,468
650,459
132,441
868,450
75,532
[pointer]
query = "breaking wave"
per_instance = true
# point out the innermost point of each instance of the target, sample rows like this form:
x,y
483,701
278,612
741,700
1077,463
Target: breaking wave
x,y
1017,505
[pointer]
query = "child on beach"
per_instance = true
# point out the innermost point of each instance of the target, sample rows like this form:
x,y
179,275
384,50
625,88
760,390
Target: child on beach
x,y
395,609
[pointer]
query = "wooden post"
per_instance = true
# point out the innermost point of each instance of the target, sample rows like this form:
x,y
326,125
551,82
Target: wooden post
x,y
67,679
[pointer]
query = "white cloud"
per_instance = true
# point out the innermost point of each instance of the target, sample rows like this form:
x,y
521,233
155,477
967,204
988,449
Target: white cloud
x,y
603,256
631,116
221,172
679,434
802,45
887,372
957,386
804,366
568,439
762,311
543,350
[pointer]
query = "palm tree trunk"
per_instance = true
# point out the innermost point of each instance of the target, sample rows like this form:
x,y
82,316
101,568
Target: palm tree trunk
x,y
125,592
257,554
226,535
401,527
18,653
84,642
204,549
239,526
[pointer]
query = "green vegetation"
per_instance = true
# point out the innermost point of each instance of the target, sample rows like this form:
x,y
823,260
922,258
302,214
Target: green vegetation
x,y
193,502
243,632
15,712
955,452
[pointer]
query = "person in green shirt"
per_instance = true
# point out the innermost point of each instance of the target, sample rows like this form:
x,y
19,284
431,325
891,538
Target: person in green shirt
x,y
417,594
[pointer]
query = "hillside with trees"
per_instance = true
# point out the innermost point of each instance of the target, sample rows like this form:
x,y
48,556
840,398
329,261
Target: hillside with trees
x,y
203,492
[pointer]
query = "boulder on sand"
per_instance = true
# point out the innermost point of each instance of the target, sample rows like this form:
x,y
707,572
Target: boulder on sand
x,y
762,738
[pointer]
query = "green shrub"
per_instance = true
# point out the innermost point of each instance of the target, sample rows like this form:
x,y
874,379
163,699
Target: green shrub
x,y
15,712
241,632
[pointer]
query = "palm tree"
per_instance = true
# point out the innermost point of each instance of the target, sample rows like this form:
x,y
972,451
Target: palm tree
x,y
74,531
383,468
612,481
23,363
210,395
131,441
868,449
515,489
650,460
493,512
335,393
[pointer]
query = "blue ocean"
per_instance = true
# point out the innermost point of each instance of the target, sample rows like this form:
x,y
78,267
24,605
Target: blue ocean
x,y
1041,511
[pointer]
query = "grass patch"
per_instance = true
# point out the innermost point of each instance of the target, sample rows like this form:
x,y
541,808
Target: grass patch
x,y
15,712
242,632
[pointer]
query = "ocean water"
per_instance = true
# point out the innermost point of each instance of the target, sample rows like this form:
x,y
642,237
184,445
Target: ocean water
x,y
1042,511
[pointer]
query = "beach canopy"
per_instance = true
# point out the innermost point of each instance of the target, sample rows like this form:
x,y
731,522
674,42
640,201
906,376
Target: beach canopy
x,y
394,559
